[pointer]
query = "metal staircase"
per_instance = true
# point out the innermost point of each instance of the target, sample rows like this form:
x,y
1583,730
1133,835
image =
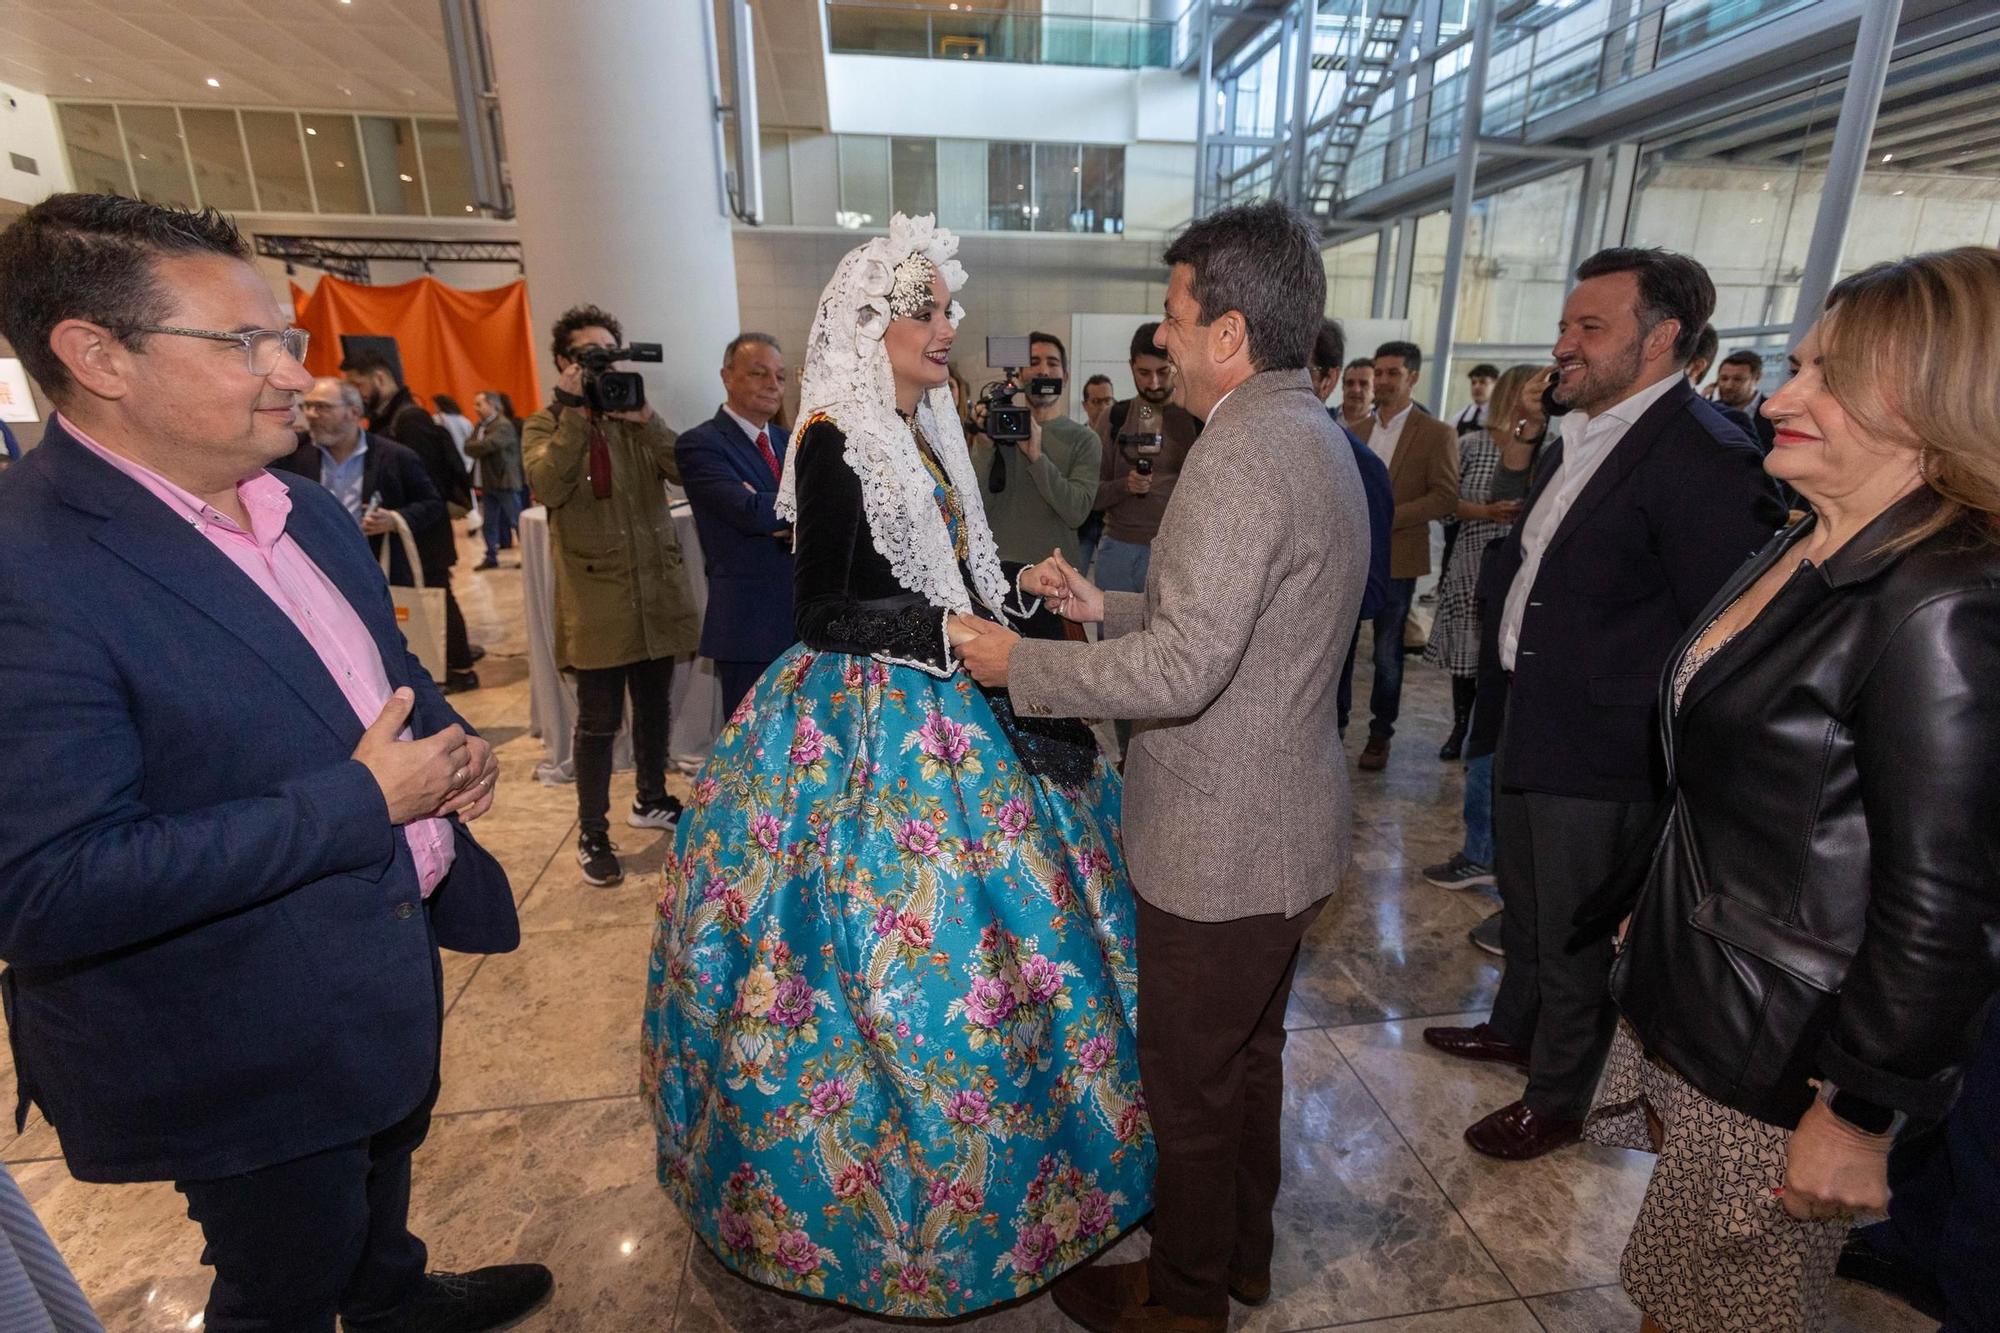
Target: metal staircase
x,y
1375,44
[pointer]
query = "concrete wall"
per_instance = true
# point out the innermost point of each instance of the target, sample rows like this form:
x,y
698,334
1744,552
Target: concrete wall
x,y
28,127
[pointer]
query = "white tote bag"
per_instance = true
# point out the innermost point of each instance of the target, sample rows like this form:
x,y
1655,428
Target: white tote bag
x,y
419,610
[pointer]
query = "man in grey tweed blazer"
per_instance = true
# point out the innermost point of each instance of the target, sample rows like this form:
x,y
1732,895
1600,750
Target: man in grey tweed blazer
x,y
1237,812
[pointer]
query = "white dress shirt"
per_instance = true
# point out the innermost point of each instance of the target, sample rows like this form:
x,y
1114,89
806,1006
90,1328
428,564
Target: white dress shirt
x,y
1586,442
1389,433
743,423
1473,417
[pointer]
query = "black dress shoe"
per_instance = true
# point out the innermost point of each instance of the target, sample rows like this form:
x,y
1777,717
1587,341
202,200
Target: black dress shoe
x,y
483,1299
1515,1134
1476,1043
1861,1262
458,682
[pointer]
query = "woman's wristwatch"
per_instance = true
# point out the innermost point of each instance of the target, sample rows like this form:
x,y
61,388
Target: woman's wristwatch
x,y
1856,1110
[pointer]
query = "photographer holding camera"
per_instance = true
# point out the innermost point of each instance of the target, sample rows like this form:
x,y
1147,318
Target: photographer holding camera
x,y
1038,488
1146,440
596,457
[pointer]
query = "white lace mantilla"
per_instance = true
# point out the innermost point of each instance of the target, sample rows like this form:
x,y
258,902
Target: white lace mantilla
x,y
847,379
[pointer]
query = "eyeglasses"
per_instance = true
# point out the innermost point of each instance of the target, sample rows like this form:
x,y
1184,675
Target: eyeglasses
x,y
260,346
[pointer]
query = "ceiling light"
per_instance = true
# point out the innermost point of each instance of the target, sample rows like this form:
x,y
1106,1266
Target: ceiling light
x,y
468,208
405,176
1896,192
215,83
311,130
86,78
340,164
1888,157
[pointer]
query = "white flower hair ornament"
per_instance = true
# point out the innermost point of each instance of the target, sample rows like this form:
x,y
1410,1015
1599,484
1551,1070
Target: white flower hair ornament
x,y
897,271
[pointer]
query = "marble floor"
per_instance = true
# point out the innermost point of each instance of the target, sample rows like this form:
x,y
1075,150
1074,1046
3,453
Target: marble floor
x,y
541,1151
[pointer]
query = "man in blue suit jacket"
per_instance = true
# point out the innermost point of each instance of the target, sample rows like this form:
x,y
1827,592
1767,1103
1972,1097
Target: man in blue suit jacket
x,y
731,465
223,888
1328,350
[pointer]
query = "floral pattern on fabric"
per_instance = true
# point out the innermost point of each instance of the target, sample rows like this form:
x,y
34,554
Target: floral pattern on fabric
x,y
889,1040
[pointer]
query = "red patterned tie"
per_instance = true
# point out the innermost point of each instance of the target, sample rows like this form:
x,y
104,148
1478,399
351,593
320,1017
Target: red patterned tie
x,y
770,458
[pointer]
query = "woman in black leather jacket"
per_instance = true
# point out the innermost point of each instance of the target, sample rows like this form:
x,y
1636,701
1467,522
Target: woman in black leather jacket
x,y
1818,933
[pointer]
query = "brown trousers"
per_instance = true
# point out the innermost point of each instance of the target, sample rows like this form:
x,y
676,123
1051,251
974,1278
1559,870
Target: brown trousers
x,y
1212,998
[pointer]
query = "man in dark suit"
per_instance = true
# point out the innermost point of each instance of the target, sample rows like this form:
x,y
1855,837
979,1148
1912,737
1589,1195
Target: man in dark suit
x,y
222,908
1643,507
370,473
394,411
1737,395
730,466
1328,349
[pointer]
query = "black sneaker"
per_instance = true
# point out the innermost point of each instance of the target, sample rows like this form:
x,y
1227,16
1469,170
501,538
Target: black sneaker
x,y
654,814
599,860
1486,935
1458,873
478,1301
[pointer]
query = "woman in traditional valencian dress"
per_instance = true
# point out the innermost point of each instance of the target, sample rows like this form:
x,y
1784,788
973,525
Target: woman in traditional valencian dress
x,y
889,1041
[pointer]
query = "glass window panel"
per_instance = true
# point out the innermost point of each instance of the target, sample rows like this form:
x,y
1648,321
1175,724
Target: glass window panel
x,y
216,149
1008,169
1350,279
96,155
815,179
776,166
1056,172
961,178
159,158
1102,206
914,175
390,148
864,180
447,172
277,161
335,156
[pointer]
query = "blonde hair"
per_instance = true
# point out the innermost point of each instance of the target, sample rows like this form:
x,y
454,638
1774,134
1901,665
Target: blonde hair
x,y
1504,403
1906,350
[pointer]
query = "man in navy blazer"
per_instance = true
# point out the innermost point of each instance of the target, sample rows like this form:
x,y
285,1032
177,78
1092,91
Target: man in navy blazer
x,y
1328,350
238,837
731,465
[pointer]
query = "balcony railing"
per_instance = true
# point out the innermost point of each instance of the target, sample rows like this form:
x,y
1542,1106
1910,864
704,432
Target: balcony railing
x,y
879,28
1538,69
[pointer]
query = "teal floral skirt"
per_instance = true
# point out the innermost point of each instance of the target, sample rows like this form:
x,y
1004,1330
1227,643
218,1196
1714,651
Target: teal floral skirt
x,y
889,1041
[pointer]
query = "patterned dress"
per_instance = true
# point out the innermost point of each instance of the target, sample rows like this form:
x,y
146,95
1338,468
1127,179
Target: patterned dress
x,y
889,1042
1454,641
1713,1249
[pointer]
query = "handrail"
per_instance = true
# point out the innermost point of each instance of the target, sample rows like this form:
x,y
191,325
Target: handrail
x,y
961,32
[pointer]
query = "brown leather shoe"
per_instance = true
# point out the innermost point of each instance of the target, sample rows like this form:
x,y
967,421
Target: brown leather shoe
x,y
1112,1298
1250,1288
1516,1133
1476,1043
1375,754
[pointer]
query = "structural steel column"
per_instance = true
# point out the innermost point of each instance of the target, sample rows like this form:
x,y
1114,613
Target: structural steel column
x,y
1406,267
1874,44
1385,248
1293,187
1461,200
1204,112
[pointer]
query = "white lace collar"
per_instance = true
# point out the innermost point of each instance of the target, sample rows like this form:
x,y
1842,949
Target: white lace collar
x,y
847,379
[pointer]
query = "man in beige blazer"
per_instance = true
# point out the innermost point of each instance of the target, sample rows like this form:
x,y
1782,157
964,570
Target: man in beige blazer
x,y
1422,454
1236,800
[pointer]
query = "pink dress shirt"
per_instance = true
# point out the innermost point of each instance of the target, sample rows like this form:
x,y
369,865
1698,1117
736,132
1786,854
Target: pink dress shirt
x,y
284,573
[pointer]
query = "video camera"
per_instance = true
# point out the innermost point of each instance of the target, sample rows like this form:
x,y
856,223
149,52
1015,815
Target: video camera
x,y
1005,423
608,390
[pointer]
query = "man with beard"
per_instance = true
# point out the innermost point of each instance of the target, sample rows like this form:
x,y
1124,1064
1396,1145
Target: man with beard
x,y
1038,491
1736,389
1645,503
393,411
1146,440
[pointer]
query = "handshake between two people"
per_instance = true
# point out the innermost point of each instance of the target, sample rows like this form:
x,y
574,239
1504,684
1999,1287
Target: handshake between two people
x,y
985,647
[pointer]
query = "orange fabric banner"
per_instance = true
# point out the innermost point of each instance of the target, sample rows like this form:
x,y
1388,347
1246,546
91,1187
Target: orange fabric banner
x,y
451,341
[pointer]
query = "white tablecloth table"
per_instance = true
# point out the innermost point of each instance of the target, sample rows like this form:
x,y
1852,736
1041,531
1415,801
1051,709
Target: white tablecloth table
x,y
697,694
